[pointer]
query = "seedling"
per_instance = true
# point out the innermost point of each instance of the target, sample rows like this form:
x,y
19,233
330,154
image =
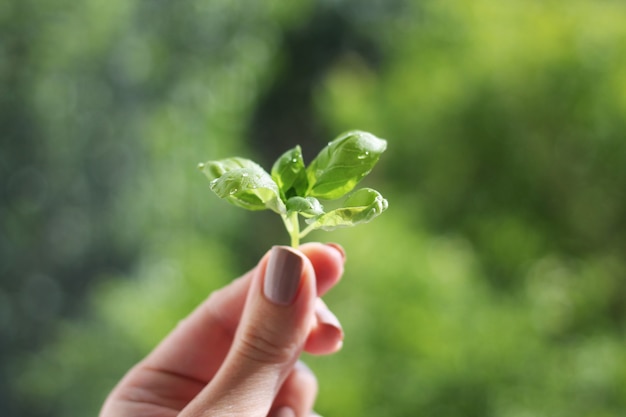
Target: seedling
x,y
293,189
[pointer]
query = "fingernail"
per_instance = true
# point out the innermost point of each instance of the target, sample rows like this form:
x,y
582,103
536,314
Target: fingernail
x,y
302,367
284,412
338,248
282,275
326,318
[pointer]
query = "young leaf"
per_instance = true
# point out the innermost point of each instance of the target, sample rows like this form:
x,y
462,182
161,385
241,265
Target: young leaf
x,y
292,190
360,207
244,184
306,206
289,172
342,164
215,169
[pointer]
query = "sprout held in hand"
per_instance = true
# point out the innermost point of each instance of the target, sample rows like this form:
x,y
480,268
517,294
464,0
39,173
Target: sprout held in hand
x,y
294,189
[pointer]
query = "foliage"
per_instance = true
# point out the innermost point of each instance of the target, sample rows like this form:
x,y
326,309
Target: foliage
x,y
494,286
293,189
508,122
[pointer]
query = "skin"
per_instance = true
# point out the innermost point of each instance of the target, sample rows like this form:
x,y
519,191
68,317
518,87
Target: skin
x,y
237,353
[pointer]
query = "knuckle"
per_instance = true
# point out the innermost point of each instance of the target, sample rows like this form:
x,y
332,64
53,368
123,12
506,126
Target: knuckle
x,y
265,347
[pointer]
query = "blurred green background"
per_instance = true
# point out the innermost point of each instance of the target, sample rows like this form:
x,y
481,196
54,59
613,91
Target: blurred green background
x,y
494,286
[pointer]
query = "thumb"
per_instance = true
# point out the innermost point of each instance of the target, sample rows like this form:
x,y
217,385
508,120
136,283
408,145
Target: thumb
x,y
274,326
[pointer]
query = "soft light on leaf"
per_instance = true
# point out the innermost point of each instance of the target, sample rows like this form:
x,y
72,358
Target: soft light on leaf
x,y
343,163
244,184
361,207
292,189
215,169
306,206
289,172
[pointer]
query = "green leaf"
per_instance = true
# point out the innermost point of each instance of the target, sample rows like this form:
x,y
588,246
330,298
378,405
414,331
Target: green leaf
x,y
289,172
215,169
292,189
342,164
244,184
306,206
360,207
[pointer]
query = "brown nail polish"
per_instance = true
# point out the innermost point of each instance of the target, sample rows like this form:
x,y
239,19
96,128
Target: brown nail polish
x,y
282,275
326,318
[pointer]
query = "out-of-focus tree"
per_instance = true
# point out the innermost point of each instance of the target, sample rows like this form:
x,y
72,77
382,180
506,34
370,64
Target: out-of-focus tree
x,y
506,121
506,129
493,286
106,107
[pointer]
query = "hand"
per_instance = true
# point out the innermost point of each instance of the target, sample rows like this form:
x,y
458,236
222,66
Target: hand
x,y
237,353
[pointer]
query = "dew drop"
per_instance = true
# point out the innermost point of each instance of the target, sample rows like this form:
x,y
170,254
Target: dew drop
x,y
213,182
233,191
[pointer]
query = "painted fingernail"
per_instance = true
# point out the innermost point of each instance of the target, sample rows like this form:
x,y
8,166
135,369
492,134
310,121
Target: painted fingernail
x,y
282,275
284,412
338,248
326,318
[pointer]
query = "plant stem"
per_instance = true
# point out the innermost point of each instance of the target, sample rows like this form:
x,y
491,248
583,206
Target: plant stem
x,y
306,231
293,228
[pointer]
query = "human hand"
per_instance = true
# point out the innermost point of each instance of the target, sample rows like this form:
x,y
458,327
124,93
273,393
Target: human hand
x,y
237,353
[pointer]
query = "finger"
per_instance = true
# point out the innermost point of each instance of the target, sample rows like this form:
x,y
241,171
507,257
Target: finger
x,y
199,343
270,337
297,394
326,334
188,358
328,261
183,363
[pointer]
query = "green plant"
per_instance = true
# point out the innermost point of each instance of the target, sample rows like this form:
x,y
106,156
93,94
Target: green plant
x,y
293,189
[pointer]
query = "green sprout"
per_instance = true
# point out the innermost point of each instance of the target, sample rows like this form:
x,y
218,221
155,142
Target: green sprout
x,y
293,189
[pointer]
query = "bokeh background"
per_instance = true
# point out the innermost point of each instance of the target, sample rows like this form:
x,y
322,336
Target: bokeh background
x,y
494,286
